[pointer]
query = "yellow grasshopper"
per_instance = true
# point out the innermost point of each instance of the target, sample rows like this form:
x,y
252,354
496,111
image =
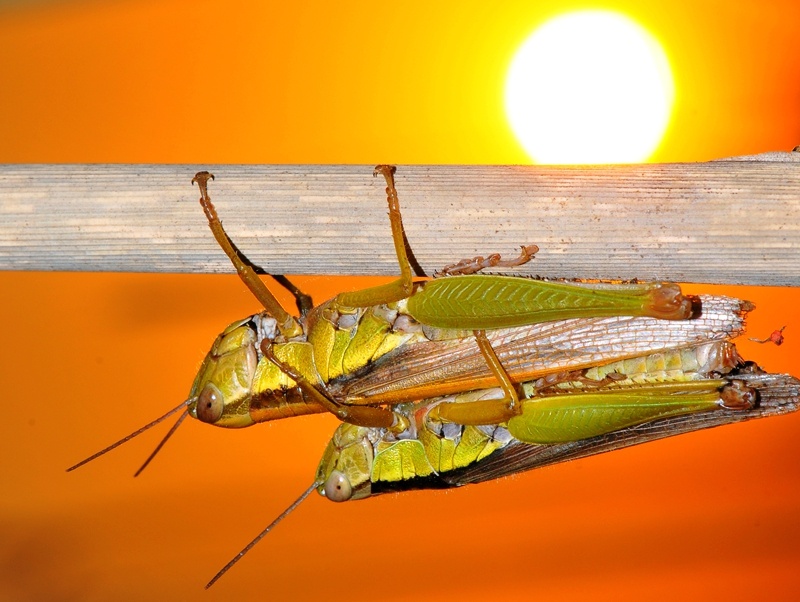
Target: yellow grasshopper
x,y
661,395
272,365
470,376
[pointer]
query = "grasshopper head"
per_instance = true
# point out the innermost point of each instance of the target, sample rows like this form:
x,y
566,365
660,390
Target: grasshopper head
x,y
346,466
223,388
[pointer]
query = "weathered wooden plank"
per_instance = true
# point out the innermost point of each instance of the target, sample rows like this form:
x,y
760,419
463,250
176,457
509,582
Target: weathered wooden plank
x,y
733,221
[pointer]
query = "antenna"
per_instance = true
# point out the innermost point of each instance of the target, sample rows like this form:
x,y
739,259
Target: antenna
x,y
139,432
169,434
261,535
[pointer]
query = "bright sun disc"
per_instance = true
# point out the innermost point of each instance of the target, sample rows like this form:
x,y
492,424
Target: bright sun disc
x,y
589,87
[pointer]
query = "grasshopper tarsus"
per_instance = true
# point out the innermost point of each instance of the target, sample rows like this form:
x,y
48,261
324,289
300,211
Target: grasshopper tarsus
x,y
479,263
387,171
201,178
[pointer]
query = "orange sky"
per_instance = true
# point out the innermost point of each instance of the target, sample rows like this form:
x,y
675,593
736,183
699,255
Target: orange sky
x,y
90,357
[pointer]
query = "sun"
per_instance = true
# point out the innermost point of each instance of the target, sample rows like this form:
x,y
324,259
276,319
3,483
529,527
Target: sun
x,y
589,87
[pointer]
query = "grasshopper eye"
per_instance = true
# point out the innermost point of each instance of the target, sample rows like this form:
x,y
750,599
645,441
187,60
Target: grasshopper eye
x,y
337,487
210,404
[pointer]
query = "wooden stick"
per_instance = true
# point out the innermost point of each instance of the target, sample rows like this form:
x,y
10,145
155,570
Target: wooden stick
x,y
732,221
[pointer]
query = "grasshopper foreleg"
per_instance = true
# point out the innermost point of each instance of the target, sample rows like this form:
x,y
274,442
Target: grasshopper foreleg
x,y
403,286
287,324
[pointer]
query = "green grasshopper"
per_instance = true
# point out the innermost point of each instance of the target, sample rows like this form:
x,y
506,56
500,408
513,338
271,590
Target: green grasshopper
x,y
272,365
710,386
409,363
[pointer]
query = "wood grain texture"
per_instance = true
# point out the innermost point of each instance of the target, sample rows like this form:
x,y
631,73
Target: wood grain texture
x,y
734,221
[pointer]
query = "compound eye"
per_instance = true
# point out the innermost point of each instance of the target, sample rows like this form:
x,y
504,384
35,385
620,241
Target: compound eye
x,y
337,487
210,404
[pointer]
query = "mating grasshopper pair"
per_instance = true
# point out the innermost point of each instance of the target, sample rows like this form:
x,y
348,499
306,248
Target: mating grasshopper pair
x,y
471,377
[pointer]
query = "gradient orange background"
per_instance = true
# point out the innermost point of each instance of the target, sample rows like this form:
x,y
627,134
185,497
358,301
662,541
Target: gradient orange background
x,y
87,358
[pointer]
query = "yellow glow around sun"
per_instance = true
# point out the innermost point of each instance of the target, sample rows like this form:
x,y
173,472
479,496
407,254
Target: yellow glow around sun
x,y
589,87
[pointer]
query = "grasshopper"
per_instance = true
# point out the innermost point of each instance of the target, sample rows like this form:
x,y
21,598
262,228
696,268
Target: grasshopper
x,y
469,376
661,395
272,365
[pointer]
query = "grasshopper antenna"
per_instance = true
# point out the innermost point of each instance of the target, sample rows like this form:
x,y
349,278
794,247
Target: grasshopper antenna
x,y
139,432
261,535
169,434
